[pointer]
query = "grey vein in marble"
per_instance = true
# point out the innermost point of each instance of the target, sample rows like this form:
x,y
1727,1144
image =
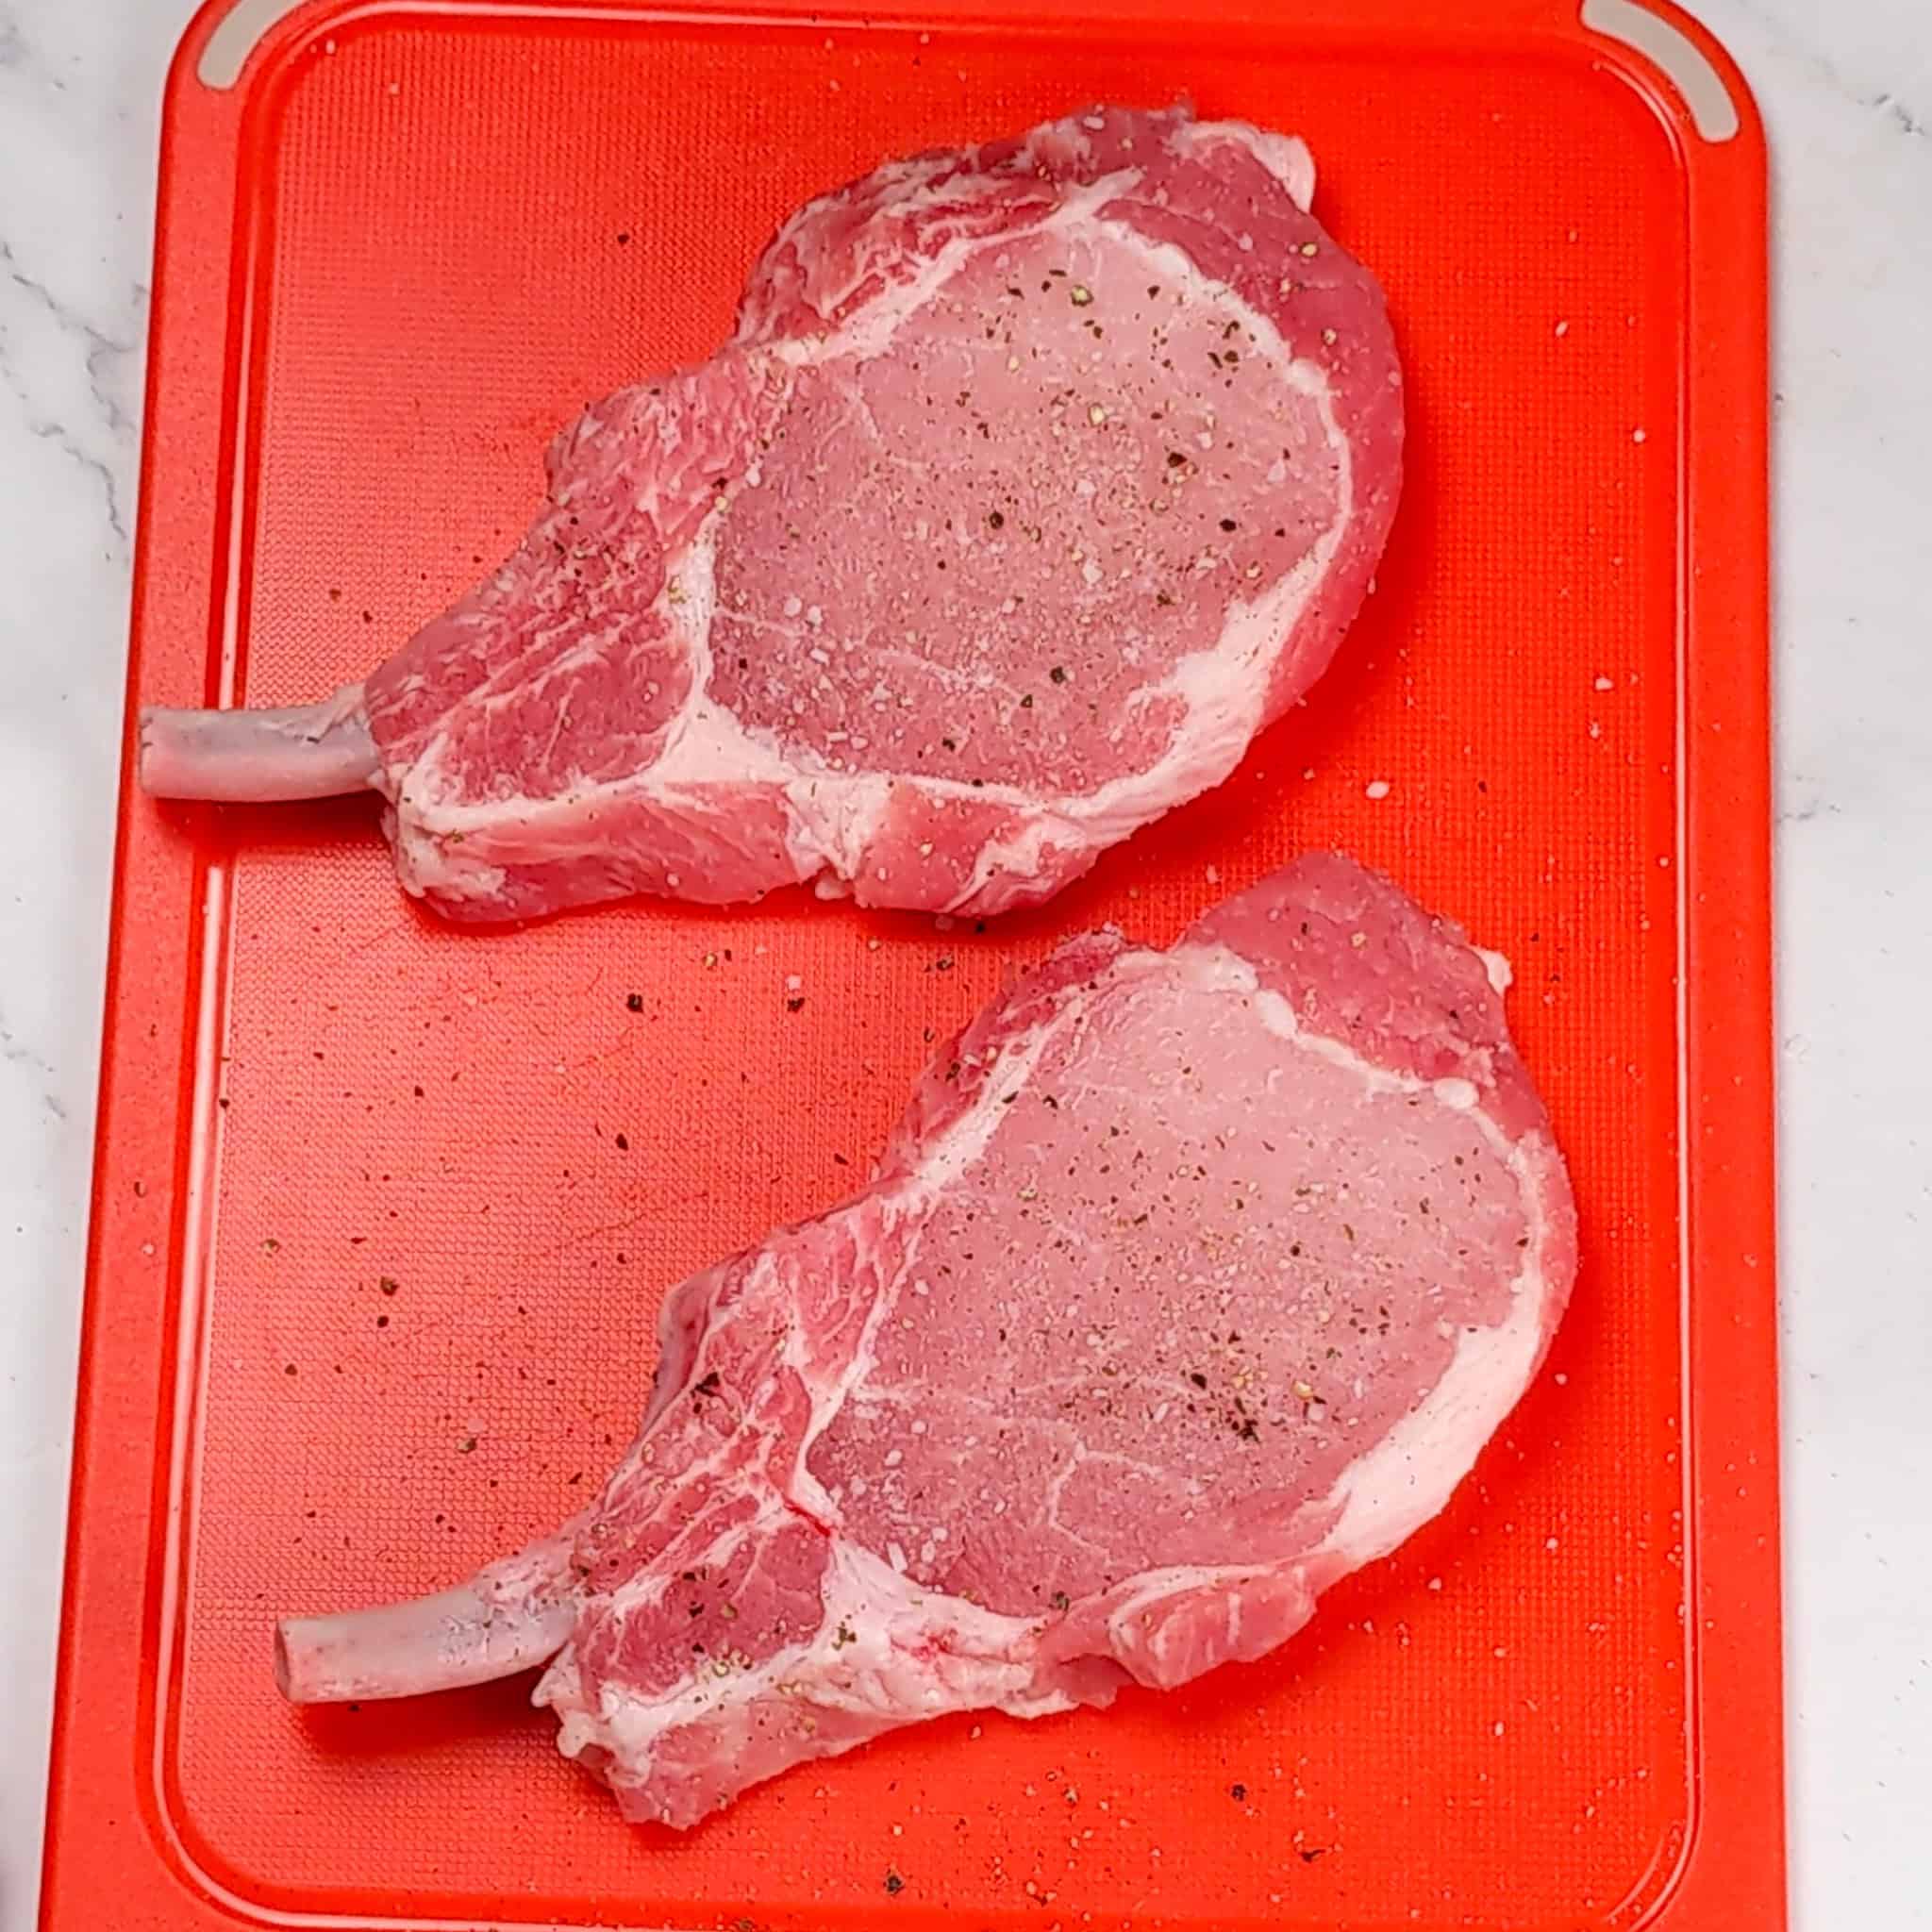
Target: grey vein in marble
x,y
97,348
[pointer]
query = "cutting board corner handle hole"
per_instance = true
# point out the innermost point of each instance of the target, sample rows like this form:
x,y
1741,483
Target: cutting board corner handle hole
x,y
1702,89
236,36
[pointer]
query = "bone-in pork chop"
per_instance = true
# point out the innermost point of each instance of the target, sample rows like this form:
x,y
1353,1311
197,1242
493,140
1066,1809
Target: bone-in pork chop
x,y
1190,1281
1038,479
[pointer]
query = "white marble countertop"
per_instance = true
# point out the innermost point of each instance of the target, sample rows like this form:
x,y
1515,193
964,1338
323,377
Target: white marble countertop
x,y
1848,90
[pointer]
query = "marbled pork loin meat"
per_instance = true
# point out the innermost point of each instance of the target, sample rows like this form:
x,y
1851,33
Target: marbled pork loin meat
x,y
1190,1281
1038,479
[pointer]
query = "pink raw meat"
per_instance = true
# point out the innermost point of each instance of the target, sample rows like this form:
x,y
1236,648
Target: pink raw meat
x,y
1190,1281
1039,477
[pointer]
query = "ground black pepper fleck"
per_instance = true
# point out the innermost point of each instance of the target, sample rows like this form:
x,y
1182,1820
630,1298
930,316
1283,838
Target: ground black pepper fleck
x,y
635,1002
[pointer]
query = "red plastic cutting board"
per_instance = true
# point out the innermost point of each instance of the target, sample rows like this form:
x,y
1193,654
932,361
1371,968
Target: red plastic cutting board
x,y
384,1209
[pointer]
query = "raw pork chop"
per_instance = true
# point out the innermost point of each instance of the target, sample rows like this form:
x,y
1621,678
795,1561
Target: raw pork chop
x,y
1190,1281
1038,479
